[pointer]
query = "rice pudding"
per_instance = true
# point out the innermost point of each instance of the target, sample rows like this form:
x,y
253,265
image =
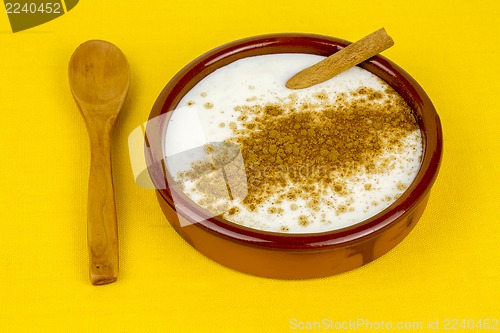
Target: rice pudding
x,y
292,161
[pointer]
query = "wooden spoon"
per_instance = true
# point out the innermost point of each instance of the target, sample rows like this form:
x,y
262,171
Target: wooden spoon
x,y
99,78
338,62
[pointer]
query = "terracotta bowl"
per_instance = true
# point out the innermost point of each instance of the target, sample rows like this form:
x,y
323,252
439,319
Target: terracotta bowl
x,y
292,256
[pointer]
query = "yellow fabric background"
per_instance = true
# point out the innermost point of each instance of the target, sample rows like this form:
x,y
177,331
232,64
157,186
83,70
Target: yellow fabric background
x,y
448,267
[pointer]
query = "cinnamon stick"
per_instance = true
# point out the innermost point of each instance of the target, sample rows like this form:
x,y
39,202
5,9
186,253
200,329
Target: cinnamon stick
x,y
338,62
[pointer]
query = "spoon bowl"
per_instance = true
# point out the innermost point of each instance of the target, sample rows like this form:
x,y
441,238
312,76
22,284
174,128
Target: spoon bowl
x,y
99,77
96,73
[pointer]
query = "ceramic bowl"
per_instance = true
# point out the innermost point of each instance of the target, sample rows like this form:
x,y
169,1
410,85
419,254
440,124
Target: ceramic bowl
x,y
280,255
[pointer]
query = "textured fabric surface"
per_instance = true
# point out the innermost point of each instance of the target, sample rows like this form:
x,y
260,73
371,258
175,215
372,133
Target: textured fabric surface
x,y
447,269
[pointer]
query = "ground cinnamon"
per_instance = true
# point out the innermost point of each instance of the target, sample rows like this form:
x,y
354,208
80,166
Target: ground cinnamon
x,y
302,150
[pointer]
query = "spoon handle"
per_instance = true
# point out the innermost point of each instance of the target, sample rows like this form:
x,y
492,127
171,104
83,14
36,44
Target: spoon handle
x,y
102,230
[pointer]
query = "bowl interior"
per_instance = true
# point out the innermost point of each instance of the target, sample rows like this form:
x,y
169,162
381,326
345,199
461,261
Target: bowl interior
x,y
199,68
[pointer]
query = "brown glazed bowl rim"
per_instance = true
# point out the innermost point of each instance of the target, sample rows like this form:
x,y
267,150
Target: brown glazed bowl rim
x,y
391,73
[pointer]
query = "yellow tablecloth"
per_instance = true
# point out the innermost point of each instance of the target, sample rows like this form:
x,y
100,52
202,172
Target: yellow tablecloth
x,y
446,271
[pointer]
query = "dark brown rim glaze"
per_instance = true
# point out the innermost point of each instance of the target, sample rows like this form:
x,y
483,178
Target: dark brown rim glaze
x,y
199,68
